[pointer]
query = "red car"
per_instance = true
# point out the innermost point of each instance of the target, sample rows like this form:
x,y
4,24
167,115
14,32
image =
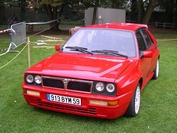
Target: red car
x,y
99,72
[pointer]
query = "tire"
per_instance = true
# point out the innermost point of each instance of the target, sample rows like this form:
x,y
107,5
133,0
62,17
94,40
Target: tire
x,y
156,70
134,106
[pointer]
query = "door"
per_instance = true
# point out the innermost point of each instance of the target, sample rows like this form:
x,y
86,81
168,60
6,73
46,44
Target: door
x,y
144,63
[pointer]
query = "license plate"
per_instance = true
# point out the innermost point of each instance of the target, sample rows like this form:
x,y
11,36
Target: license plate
x,y
64,99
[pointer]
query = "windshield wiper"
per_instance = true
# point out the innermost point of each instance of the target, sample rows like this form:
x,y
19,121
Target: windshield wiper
x,y
80,49
109,52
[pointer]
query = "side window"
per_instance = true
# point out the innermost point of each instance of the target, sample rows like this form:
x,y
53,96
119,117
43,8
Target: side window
x,y
140,41
147,38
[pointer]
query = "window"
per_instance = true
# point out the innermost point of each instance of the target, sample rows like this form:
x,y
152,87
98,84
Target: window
x,y
141,43
147,38
122,42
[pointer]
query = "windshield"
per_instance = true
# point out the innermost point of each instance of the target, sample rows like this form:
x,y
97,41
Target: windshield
x,y
102,39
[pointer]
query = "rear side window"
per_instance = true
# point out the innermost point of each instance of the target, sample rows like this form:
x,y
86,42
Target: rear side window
x,y
147,38
141,43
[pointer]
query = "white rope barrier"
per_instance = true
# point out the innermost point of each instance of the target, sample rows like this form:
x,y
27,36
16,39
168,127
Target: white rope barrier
x,y
6,30
35,23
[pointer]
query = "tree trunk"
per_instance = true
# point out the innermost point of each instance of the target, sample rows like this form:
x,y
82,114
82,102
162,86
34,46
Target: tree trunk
x,y
23,10
52,15
175,16
61,12
148,11
95,11
170,11
1,11
47,8
134,11
55,24
140,11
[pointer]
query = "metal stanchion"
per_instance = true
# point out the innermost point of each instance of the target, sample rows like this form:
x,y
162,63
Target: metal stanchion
x,y
28,43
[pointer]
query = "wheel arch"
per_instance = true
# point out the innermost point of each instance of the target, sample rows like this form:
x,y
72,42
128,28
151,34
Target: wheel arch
x,y
140,82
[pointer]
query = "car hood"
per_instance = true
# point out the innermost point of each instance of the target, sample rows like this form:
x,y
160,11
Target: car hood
x,y
82,66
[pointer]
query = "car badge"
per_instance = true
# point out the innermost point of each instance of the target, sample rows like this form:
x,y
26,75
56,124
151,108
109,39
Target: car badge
x,y
65,80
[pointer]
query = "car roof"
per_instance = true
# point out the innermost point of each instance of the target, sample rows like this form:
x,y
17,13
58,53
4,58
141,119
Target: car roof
x,y
118,25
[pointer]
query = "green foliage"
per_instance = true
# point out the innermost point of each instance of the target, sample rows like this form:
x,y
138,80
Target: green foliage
x,y
170,11
14,3
52,2
158,101
113,4
71,15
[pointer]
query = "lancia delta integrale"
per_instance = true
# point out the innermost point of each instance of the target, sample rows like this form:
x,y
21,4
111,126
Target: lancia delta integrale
x,y
99,72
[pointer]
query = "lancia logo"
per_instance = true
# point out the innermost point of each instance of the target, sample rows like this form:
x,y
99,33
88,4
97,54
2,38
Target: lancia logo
x,y
65,80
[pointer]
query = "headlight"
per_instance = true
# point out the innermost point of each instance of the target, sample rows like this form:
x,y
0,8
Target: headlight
x,y
29,78
104,88
33,79
38,79
99,86
110,87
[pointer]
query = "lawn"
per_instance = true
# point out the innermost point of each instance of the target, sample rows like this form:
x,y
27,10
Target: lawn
x,y
158,111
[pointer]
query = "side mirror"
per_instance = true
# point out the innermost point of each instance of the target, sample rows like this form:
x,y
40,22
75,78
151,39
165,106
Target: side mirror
x,y
58,47
147,54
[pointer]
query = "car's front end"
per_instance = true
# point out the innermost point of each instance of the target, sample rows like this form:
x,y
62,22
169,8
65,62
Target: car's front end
x,y
80,102
77,88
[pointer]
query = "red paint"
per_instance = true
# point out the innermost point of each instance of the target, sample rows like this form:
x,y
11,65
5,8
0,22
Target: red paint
x,y
125,73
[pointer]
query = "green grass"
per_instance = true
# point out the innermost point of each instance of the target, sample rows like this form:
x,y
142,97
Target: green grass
x,y
158,111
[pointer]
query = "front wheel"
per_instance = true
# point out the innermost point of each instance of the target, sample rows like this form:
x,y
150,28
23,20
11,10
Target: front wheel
x,y
134,105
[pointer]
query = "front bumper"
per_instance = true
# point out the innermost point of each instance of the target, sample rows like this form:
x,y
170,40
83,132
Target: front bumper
x,y
85,109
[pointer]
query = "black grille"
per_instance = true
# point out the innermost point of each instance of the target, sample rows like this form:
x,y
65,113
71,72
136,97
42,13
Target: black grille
x,y
72,85
91,111
69,84
53,83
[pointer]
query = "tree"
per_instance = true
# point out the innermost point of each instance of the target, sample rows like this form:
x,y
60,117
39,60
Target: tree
x,y
151,4
140,10
94,11
150,7
1,11
54,9
23,9
134,11
169,10
51,7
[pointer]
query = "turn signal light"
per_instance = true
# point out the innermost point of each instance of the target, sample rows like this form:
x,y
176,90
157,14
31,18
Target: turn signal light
x,y
104,103
112,103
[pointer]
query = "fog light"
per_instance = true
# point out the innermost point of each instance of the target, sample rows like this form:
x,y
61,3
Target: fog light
x,y
34,93
104,103
99,102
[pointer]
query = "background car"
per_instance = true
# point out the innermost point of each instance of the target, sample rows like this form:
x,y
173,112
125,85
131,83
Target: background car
x,y
99,72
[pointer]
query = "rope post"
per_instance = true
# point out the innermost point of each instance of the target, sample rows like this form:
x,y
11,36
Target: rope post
x,y
28,43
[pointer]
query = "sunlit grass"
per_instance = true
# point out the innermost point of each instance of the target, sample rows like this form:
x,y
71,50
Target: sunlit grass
x,y
158,101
